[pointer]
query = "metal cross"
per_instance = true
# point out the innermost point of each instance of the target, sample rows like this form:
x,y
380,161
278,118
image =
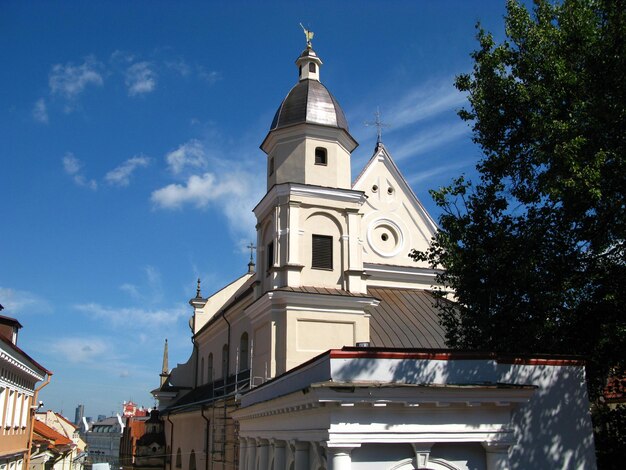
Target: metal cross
x,y
379,126
251,247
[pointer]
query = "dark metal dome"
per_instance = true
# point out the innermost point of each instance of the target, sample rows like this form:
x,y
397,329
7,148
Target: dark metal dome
x,y
309,101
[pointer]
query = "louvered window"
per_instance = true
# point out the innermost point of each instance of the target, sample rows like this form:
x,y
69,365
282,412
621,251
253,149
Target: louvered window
x,y
322,255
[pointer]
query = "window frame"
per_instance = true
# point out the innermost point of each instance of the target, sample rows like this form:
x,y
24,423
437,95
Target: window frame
x,y
324,152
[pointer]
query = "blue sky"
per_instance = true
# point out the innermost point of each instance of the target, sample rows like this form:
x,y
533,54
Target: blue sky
x,y
130,160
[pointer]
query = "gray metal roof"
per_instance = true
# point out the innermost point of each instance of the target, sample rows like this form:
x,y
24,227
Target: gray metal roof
x,y
309,102
405,318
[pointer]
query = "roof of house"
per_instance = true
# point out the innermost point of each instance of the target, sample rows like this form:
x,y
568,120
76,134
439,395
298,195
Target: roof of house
x,y
45,431
17,349
405,318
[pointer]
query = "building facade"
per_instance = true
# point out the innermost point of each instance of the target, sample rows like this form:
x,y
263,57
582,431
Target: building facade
x,y
331,355
19,375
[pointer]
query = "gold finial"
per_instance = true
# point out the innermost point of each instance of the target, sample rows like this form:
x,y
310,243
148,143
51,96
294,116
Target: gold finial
x,y
308,34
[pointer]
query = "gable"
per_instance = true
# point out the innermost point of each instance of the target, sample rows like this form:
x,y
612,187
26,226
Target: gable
x,y
394,220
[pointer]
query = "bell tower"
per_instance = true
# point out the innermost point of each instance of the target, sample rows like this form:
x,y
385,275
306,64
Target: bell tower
x,y
309,221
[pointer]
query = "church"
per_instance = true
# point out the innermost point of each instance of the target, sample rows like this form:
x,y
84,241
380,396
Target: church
x,y
328,353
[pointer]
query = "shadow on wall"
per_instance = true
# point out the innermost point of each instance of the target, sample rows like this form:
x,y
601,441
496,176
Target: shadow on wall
x,y
553,430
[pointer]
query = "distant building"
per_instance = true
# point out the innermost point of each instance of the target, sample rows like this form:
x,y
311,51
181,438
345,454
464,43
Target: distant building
x,y
103,441
143,443
19,374
78,416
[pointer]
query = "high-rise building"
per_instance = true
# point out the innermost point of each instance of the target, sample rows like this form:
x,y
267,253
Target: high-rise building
x,y
78,415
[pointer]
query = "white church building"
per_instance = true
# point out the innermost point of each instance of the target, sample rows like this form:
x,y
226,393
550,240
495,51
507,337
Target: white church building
x,y
330,355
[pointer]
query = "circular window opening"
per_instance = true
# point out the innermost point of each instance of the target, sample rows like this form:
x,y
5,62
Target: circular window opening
x,y
389,190
384,237
374,188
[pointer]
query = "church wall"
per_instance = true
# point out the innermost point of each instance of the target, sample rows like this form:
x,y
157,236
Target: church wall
x,y
327,223
189,435
288,156
312,332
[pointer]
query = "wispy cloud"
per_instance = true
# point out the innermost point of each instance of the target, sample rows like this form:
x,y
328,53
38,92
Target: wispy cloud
x,y
69,80
191,154
430,139
40,111
73,167
140,79
426,175
17,301
120,176
82,349
139,317
424,102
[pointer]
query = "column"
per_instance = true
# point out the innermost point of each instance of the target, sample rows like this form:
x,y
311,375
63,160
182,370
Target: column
x,y
251,454
302,455
497,455
279,455
263,454
243,443
339,458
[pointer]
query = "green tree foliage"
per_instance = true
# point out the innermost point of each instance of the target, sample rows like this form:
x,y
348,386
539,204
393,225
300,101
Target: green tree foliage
x,y
535,249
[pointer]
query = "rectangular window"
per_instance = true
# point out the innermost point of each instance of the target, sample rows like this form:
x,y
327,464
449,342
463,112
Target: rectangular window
x,y
270,170
270,256
322,252
320,156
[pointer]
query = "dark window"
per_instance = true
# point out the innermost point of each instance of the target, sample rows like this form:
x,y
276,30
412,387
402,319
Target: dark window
x,y
322,252
312,67
179,460
300,70
320,156
192,461
270,170
243,352
270,255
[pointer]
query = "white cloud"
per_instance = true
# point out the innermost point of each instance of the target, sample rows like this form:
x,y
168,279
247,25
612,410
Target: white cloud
x,y
180,66
140,79
21,302
80,350
40,111
72,167
190,154
209,76
438,170
120,176
138,317
70,80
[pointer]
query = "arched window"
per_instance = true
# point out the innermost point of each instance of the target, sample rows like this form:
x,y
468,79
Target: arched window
x,y
192,461
321,156
311,67
179,459
243,352
201,371
209,371
225,361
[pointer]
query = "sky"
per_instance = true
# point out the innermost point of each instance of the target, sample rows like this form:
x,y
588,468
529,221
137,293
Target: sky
x,y
130,160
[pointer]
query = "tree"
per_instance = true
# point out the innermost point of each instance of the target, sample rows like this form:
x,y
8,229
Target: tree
x,y
535,249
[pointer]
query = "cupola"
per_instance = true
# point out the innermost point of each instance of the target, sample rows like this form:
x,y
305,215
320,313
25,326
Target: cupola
x,y
309,141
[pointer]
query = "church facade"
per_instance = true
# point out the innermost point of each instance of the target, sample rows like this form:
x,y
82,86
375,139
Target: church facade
x,y
330,355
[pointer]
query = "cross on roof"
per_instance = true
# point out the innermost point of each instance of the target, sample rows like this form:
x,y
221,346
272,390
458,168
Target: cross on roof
x,y
379,126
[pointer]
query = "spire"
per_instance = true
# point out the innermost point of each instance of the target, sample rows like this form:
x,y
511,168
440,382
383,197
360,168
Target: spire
x,y
165,369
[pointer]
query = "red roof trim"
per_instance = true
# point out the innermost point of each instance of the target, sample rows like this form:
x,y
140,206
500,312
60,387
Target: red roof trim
x,y
447,355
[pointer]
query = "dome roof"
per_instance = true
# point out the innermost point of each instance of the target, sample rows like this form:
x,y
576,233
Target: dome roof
x,y
309,102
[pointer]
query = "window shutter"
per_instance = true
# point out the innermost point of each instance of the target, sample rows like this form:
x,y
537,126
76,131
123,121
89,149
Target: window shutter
x,y
322,256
